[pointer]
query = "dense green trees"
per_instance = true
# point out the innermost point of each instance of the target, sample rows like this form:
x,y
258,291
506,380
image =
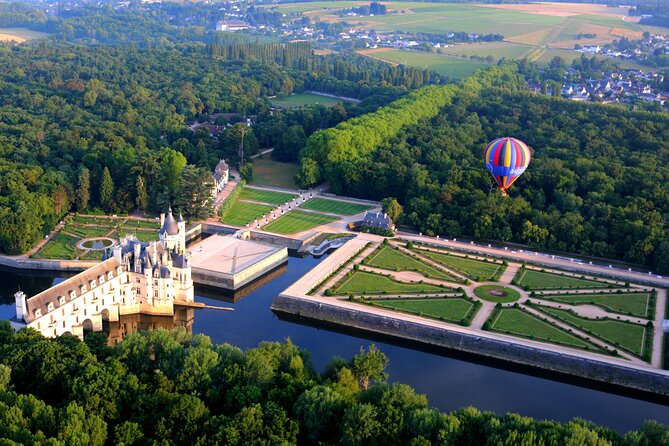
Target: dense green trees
x,y
175,388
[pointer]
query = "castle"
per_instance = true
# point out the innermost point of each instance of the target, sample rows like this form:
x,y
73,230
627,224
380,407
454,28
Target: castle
x,y
138,277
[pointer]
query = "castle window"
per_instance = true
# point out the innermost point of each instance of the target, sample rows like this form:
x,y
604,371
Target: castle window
x,y
49,306
61,299
110,275
155,293
73,295
38,325
101,279
91,283
38,313
155,282
82,288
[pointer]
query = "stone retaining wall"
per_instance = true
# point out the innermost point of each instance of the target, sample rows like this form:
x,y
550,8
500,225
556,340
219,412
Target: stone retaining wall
x,y
45,264
643,380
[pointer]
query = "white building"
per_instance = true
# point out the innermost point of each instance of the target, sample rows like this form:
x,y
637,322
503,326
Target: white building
x,y
221,176
231,25
146,278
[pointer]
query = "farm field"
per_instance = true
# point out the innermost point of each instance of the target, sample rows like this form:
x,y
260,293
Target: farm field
x,y
452,67
516,321
452,309
630,336
362,282
335,206
393,259
242,213
474,269
265,196
636,304
530,30
303,99
267,172
538,280
297,221
20,35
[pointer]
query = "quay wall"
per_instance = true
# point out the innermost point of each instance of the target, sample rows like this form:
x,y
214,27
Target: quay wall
x,y
44,264
637,379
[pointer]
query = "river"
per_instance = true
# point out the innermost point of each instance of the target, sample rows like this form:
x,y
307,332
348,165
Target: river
x,y
449,379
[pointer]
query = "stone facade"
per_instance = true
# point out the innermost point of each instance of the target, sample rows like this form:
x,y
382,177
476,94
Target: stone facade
x,y
138,277
221,176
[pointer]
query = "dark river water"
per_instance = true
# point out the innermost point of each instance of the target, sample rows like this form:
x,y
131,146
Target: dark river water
x,y
449,379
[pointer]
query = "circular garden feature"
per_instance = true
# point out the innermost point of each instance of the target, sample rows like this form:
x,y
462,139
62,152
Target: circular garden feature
x,y
496,293
96,243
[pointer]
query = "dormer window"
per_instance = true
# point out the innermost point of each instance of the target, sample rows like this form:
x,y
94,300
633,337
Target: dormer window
x,y
91,283
73,295
38,313
110,275
61,299
101,279
82,288
118,270
49,306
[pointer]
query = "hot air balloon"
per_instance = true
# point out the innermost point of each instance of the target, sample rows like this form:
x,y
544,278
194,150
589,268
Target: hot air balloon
x,y
506,160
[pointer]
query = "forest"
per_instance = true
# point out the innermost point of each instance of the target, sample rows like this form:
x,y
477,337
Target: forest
x,y
597,183
171,387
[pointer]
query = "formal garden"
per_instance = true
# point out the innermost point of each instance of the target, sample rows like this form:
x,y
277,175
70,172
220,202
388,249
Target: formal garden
x,y
84,237
549,306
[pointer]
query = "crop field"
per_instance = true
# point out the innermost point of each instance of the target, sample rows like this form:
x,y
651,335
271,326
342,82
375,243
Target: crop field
x,y
629,336
362,282
267,172
265,196
335,206
242,213
472,268
298,221
453,67
530,30
303,99
636,304
516,321
393,259
20,35
538,280
452,309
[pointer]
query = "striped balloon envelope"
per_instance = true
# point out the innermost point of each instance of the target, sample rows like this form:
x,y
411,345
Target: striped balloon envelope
x,y
506,160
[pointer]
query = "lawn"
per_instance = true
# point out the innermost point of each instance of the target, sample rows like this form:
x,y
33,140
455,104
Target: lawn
x,y
265,196
452,67
142,224
485,292
242,213
474,269
629,336
539,280
362,282
143,236
452,309
517,321
61,246
298,221
394,259
267,172
335,206
303,100
88,231
631,303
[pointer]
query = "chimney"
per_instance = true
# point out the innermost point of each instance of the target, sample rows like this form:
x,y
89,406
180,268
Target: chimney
x,y
385,215
162,219
118,251
21,306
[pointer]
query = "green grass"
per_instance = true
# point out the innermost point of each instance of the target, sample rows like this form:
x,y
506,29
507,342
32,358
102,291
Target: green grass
x,y
482,292
142,224
267,172
394,259
61,246
518,322
143,236
452,309
539,280
298,221
303,99
265,196
362,282
636,304
629,336
452,67
335,206
88,231
242,213
497,50
474,269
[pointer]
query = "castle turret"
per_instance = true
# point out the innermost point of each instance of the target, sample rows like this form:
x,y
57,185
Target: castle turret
x,y
173,233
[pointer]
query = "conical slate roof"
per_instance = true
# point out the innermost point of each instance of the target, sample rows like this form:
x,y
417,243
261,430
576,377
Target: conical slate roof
x,y
170,226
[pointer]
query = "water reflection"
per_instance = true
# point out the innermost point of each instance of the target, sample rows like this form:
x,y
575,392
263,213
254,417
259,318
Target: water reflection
x,y
132,323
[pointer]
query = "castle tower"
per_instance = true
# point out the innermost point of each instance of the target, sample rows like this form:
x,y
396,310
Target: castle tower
x,y
173,233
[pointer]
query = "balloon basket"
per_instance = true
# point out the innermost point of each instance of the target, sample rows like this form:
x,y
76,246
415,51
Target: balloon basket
x,y
503,193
